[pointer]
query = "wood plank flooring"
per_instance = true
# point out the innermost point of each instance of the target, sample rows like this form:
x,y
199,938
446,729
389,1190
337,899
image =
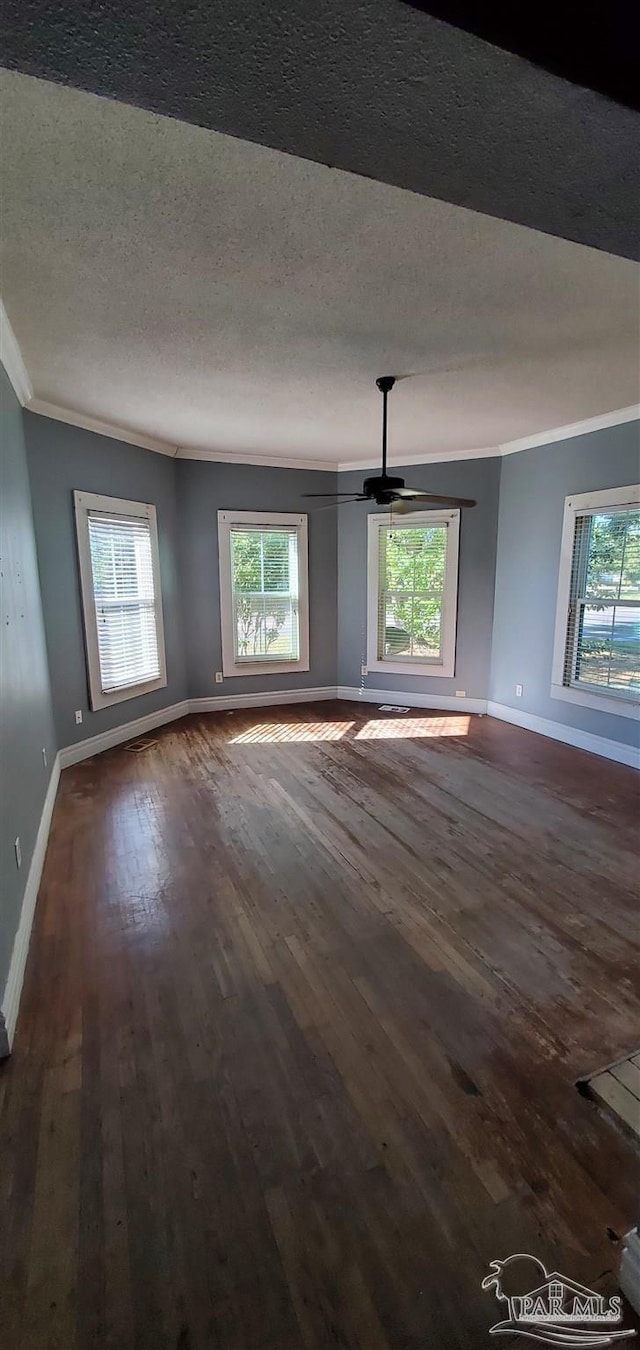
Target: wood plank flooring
x,y
619,1088
308,992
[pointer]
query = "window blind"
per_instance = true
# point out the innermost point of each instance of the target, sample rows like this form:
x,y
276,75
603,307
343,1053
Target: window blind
x,y
125,600
411,582
603,625
265,593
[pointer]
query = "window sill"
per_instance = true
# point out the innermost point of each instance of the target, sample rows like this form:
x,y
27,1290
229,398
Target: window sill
x,y
264,668
102,700
616,707
412,668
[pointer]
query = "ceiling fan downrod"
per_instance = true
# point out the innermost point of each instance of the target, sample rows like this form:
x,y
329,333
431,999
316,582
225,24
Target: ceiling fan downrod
x,y
385,384
383,488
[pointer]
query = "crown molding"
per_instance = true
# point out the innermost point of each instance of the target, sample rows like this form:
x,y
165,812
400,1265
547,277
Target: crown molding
x,y
598,423
565,433
87,423
399,461
268,461
11,358
117,433
77,419
17,372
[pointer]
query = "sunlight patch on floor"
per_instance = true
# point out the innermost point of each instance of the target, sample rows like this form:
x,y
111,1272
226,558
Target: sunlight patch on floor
x,y
271,733
406,728
376,729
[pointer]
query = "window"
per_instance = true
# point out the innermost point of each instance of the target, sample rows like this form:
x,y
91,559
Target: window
x,y
597,643
413,587
264,603
120,583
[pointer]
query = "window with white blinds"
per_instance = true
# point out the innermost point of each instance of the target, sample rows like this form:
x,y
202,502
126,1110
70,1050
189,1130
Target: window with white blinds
x,y
597,648
412,583
118,551
263,588
603,626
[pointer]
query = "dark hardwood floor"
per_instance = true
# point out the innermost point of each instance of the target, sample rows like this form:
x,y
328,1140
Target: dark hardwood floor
x,y
307,996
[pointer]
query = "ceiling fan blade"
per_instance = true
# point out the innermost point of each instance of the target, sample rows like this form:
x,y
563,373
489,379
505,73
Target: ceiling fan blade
x,y
330,494
416,495
344,501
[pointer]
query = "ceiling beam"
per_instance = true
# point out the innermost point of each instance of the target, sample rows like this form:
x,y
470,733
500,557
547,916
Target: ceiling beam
x,y
374,86
593,44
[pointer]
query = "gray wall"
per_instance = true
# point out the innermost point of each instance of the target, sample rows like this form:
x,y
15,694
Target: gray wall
x,y
534,485
26,725
479,479
62,458
518,517
204,489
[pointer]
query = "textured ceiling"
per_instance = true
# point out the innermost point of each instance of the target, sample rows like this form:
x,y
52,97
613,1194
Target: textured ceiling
x,y
373,86
220,295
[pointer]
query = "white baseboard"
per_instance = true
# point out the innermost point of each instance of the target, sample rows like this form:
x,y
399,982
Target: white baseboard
x,y
13,987
558,731
269,699
447,702
94,745
128,731
105,740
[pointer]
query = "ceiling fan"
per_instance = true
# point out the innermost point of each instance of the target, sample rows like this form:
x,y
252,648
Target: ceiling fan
x,y
384,489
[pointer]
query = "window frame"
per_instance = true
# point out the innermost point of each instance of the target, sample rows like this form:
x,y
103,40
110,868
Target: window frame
x,y
261,520
585,503
84,503
446,666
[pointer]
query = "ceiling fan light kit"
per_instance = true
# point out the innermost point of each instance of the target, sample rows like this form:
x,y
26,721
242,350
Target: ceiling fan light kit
x,y
384,489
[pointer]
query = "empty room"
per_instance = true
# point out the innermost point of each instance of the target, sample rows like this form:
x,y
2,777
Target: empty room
x,y
319,752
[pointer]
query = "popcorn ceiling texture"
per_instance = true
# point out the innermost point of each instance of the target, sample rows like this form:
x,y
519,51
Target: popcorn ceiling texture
x,y
219,295
375,87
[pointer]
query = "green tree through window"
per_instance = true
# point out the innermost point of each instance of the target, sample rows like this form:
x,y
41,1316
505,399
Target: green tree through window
x,y
411,588
265,593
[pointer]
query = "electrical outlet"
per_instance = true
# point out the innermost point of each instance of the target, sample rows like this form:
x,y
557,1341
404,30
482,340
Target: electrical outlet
x,y
18,851
461,693
518,691
44,756
218,677
363,670
78,716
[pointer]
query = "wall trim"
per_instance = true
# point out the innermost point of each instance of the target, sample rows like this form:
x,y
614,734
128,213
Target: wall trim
x,y
18,374
105,740
445,702
127,731
559,731
119,433
565,433
14,364
101,428
249,457
12,360
268,699
15,978
614,705
399,461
